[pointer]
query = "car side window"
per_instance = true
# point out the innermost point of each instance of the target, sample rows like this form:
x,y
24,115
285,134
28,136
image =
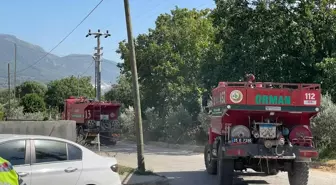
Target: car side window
x,y
14,151
74,153
50,151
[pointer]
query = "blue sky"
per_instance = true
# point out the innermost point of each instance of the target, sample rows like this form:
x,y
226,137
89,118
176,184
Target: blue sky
x,y
46,22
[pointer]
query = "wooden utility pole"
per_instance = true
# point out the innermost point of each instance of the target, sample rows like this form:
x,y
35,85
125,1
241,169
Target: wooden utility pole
x,y
9,93
138,120
78,86
15,49
97,59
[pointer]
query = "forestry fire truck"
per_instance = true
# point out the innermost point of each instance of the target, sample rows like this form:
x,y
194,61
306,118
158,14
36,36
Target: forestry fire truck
x,y
93,117
261,125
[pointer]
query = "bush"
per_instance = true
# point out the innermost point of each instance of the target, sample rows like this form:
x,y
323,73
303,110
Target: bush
x,y
32,103
153,126
177,127
2,115
19,114
323,127
126,120
180,126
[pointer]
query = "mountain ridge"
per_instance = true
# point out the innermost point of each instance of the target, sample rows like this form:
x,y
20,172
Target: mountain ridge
x,y
51,66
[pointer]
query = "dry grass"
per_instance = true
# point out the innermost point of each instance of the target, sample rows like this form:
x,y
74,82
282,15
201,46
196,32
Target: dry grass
x,y
328,166
124,170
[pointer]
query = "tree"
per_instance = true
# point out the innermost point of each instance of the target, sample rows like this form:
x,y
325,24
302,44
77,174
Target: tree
x,y
121,92
59,90
169,59
29,87
328,76
32,103
277,41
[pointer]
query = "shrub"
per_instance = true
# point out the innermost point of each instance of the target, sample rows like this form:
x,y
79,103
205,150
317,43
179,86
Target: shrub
x,y
126,119
177,126
323,127
19,114
32,103
2,114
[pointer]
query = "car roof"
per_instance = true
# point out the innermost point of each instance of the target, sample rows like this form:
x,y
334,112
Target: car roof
x,y
6,137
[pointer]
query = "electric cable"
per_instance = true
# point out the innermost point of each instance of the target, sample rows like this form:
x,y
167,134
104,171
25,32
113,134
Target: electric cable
x,y
86,69
62,39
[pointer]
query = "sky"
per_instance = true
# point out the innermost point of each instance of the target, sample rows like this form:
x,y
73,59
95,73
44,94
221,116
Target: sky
x,y
47,22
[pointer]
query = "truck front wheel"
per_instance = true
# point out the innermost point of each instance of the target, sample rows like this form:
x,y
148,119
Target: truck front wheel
x,y
299,174
210,162
225,168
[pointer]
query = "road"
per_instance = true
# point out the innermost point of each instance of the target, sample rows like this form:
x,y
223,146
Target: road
x,y
187,168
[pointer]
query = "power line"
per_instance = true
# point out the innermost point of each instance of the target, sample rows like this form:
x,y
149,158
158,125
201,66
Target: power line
x,y
140,14
87,69
63,38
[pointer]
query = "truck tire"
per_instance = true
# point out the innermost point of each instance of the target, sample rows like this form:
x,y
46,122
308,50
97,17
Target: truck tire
x,y
103,140
299,174
113,142
225,168
272,172
210,162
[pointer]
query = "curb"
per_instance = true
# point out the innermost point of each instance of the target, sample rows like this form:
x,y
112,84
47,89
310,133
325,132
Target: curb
x,y
193,148
156,182
161,181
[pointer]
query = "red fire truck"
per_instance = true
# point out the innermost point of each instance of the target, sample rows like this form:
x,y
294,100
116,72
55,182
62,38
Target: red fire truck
x,y
93,117
263,126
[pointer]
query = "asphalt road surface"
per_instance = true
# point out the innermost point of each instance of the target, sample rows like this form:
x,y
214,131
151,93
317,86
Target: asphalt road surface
x,y
187,168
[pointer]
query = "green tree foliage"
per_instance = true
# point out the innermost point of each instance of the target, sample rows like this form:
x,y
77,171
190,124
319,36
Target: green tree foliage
x,y
328,76
280,41
59,90
29,87
32,103
121,92
169,59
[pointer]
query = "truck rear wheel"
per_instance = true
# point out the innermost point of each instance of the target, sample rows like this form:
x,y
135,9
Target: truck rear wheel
x,y
299,174
272,172
225,168
210,162
113,142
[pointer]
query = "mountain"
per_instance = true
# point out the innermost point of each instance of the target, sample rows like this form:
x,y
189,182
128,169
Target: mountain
x,y
50,67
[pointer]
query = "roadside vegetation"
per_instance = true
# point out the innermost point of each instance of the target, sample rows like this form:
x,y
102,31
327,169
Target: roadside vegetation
x,y
188,52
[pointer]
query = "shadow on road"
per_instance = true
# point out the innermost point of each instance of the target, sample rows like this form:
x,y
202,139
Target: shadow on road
x,y
203,178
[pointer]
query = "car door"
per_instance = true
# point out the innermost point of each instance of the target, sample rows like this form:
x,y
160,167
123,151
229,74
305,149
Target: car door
x,y
17,152
55,162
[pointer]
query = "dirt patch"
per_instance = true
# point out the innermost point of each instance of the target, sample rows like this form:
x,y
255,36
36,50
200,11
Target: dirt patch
x,y
328,166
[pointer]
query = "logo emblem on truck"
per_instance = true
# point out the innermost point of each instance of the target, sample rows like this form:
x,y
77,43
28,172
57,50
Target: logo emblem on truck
x,y
112,115
236,96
